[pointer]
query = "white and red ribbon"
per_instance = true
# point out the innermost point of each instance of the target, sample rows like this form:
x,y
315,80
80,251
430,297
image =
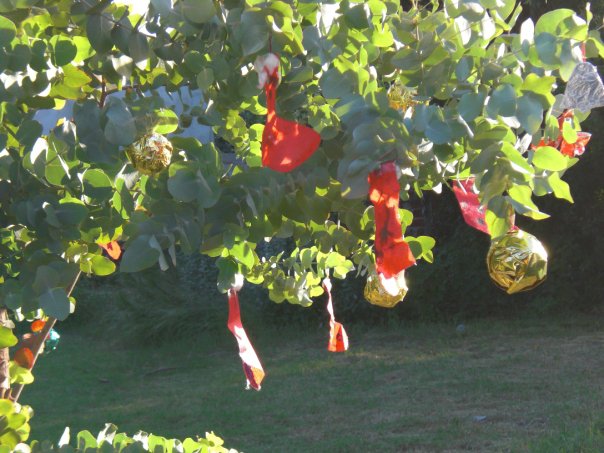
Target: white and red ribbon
x,y
252,367
338,339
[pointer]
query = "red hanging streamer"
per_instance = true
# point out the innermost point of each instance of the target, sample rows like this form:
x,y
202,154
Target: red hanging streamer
x,y
392,253
568,149
338,339
252,367
285,144
472,210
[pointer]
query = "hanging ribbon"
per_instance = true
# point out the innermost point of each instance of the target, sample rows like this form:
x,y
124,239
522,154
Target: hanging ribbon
x,y
472,210
338,339
568,149
392,253
252,368
285,144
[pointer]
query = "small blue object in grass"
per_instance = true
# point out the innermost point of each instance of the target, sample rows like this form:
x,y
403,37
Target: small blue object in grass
x,y
52,341
461,329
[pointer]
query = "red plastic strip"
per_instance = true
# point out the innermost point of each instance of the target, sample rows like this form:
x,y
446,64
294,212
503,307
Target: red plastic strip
x,y
473,212
285,144
252,367
392,253
338,339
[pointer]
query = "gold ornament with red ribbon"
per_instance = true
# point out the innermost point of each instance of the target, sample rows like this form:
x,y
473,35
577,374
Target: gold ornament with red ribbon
x,y
516,261
285,144
392,253
252,368
338,339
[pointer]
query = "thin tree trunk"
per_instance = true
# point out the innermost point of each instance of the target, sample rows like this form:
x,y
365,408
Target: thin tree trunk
x,y
4,361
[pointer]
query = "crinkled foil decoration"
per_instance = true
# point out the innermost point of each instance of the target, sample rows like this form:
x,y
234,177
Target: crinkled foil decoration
x,y
517,262
151,154
376,294
584,90
401,98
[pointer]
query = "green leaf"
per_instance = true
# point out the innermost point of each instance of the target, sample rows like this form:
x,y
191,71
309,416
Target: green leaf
x,y
139,255
198,11
100,265
549,158
64,50
7,339
530,113
167,122
470,105
569,133
502,102
55,303
254,32
18,375
97,186
120,128
356,17
8,31
138,49
561,188
227,269
98,30
205,78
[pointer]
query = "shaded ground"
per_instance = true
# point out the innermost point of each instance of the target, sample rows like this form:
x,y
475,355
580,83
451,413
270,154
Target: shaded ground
x,y
522,386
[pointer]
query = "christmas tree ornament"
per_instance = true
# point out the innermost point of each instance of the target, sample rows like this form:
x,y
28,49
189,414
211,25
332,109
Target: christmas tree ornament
x,y
52,341
112,249
376,294
401,98
517,261
151,154
37,325
584,90
338,339
285,144
392,253
24,358
252,367
568,149
472,210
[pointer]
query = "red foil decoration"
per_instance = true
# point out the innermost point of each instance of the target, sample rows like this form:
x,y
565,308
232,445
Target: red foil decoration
x,y
568,149
392,253
338,339
285,144
472,210
113,249
252,367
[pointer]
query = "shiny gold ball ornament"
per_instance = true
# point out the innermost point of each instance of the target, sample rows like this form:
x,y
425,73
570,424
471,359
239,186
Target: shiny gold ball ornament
x,y
517,262
151,154
376,294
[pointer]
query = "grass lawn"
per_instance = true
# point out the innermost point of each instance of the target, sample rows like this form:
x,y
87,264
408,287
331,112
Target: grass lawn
x,y
503,386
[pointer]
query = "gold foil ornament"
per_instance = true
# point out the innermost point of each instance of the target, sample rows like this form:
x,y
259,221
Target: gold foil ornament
x,y
517,262
376,294
151,154
401,98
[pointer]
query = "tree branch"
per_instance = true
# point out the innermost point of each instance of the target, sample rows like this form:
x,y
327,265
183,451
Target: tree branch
x,y
37,348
